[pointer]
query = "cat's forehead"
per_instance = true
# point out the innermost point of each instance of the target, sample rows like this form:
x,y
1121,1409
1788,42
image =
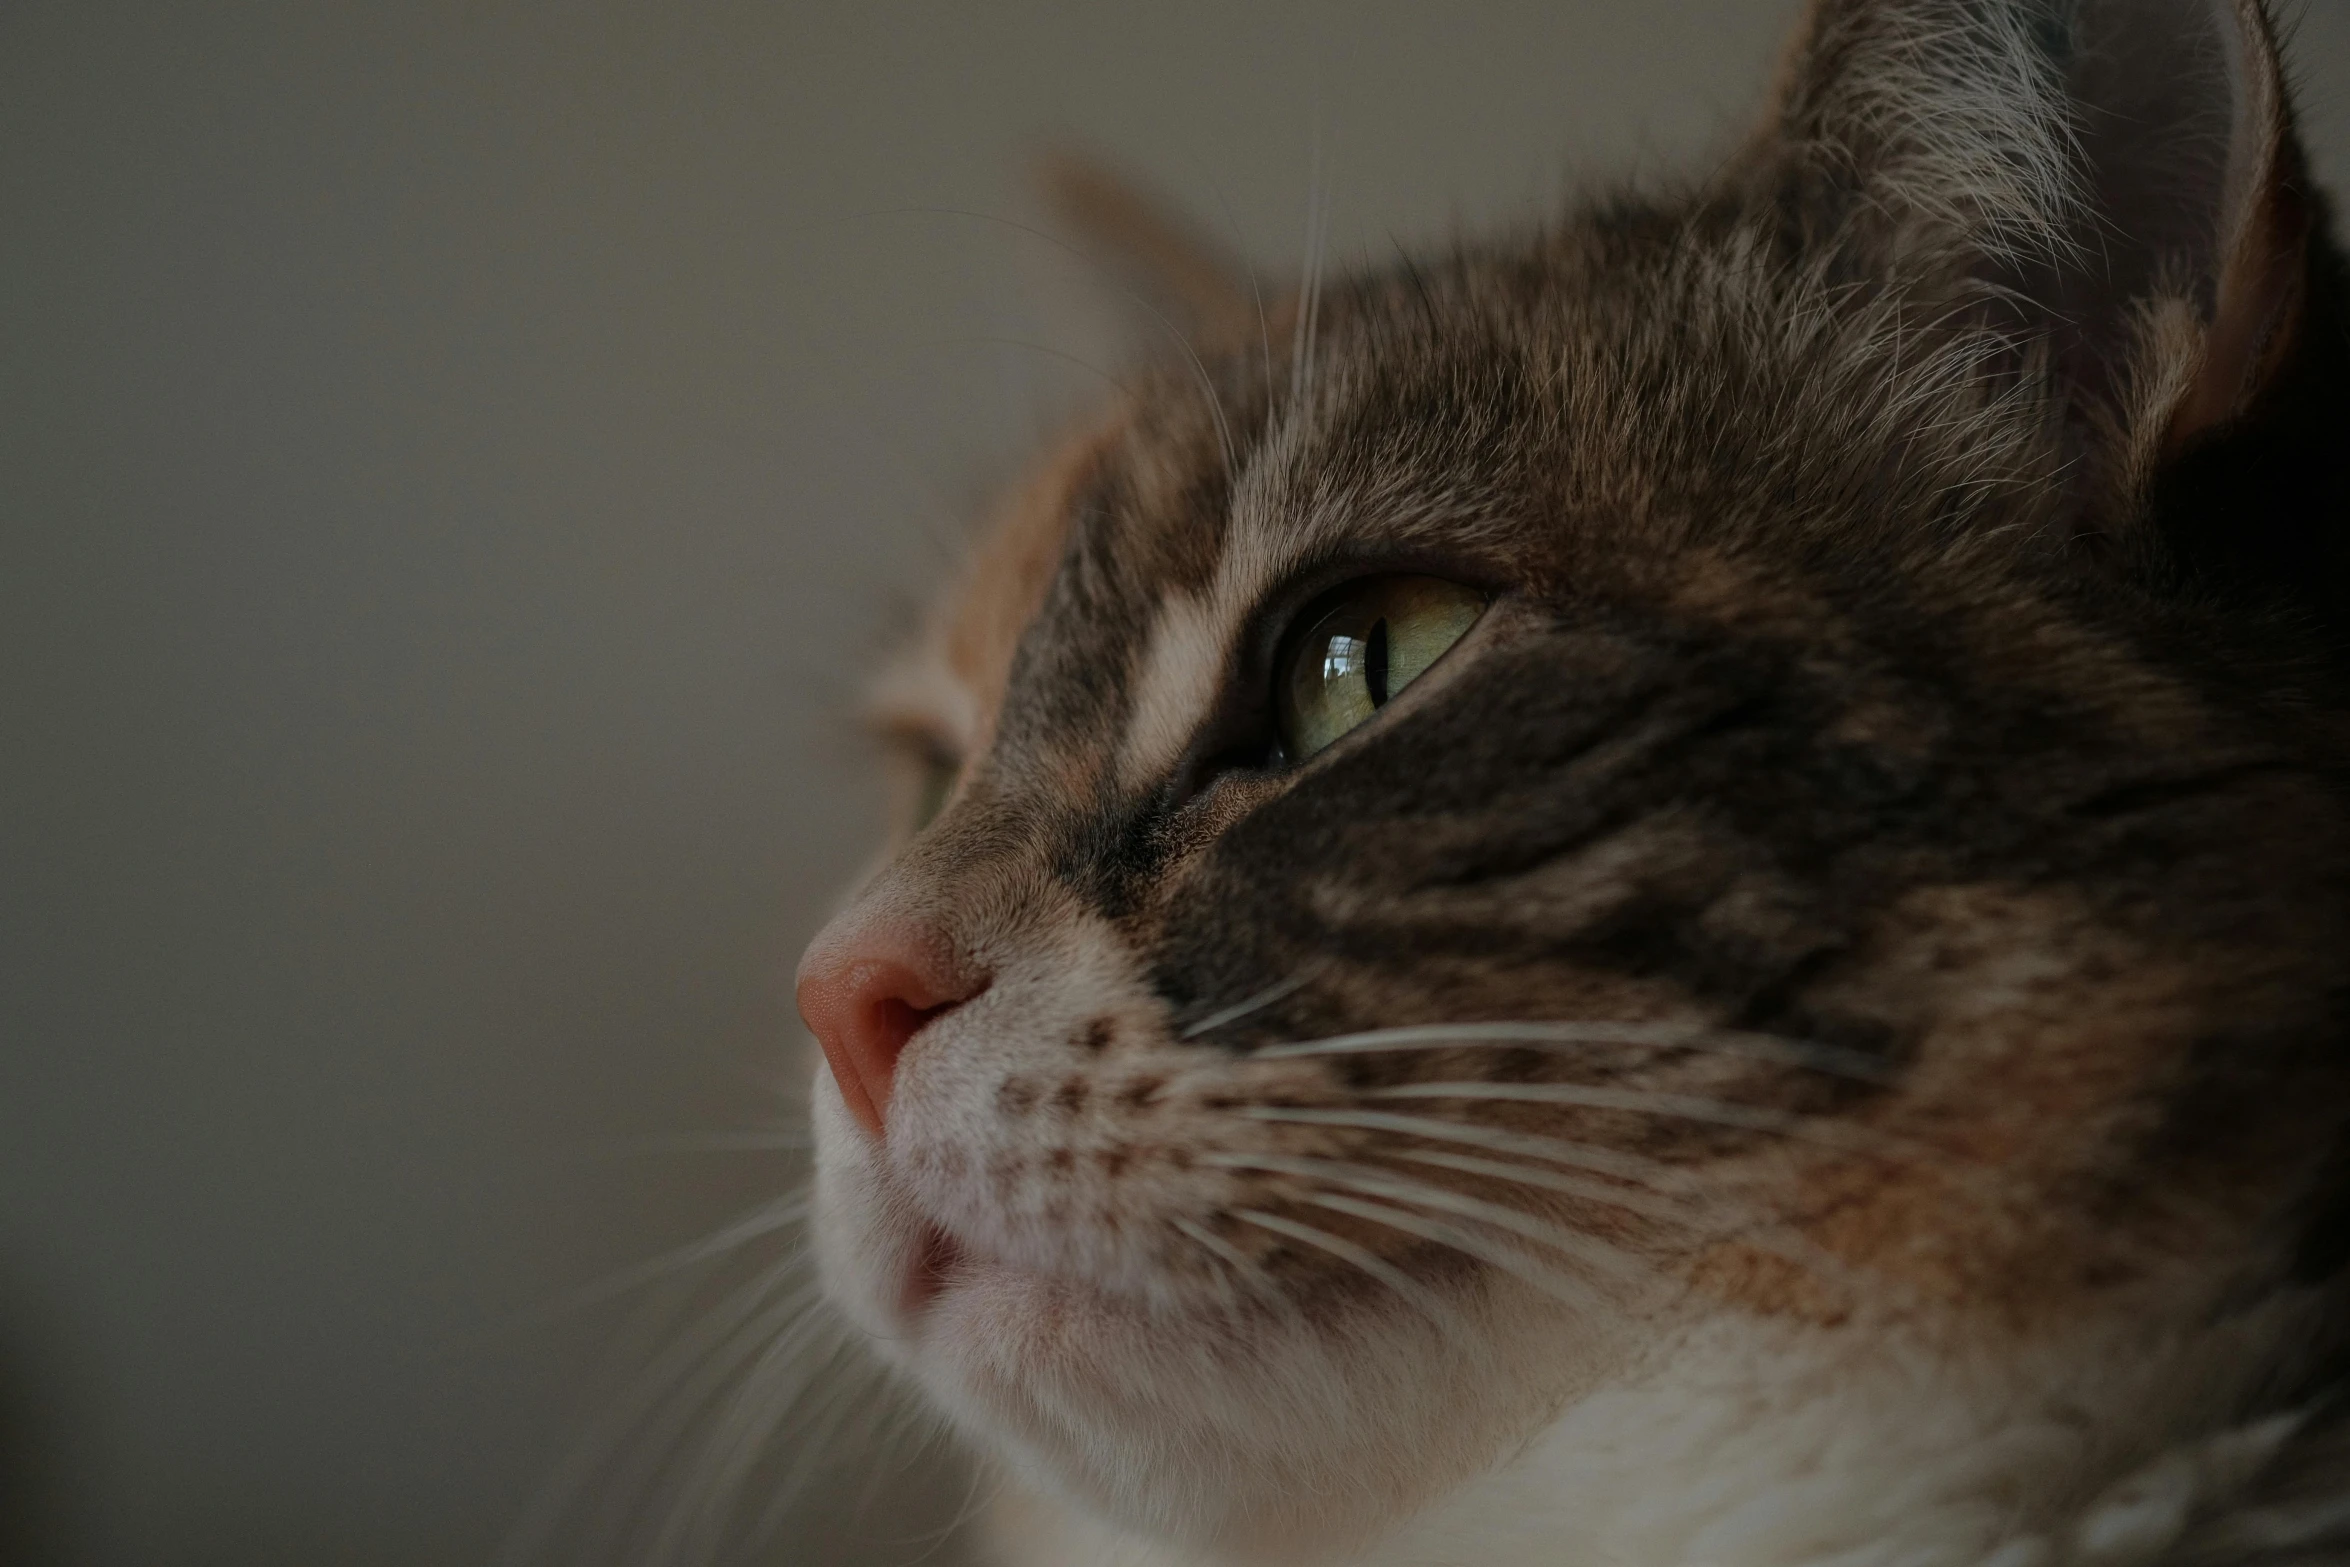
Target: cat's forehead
x,y
1567,414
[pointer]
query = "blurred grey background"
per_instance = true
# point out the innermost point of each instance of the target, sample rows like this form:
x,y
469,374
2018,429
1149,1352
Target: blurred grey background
x,y
456,460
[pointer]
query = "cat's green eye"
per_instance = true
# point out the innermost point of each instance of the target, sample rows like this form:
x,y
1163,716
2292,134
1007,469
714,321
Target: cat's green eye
x,y
1366,644
933,785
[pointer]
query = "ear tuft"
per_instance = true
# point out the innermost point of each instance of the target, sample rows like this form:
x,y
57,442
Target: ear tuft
x,y
2121,173
1908,125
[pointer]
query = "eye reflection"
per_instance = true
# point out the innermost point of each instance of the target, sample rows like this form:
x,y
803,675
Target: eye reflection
x,y
1376,637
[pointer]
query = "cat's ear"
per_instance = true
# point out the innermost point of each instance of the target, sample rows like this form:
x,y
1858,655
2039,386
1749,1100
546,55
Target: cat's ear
x,y
2122,173
1170,274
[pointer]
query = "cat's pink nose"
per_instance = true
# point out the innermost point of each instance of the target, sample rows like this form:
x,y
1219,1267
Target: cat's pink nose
x,y
865,992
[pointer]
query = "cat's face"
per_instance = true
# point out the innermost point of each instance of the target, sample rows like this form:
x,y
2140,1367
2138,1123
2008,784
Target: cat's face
x,y
1550,802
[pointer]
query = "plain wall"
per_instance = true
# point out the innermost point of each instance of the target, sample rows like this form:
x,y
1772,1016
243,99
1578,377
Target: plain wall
x,y
456,460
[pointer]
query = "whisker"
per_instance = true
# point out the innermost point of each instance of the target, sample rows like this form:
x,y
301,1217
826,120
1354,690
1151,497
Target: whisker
x,y
1398,1188
1255,1003
1555,1285
1667,1182
884,1432
1181,339
1443,1316
1256,291
1228,1293
1683,1107
1216,411
1772,1048
1768,1234
1240,1263
1087,365
766,1219
664,1447
684,1375
975,1503
751,1416
1303,344
887,1423
1642,1203
1558,1150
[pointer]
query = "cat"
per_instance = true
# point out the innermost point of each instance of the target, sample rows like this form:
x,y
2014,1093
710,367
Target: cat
x,y
1669,892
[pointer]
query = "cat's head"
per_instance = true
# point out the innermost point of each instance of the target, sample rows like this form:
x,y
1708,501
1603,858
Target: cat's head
x,y
1759,766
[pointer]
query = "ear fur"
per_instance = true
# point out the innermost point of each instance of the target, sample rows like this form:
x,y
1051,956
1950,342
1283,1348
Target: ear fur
x,y
2265,235
2121,175
1177,278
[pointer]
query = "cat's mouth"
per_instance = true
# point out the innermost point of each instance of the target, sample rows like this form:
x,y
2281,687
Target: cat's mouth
x,y
935,1289
933,1264
936,1263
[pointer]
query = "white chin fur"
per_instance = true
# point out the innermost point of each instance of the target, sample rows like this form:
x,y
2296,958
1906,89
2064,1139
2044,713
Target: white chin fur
x,y
1752,1444
1261,1434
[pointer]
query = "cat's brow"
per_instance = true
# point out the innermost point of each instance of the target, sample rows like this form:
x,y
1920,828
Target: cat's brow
x,y
1187,653
1180,668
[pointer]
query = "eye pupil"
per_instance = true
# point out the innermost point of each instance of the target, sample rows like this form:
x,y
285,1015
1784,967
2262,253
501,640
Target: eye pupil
x,y
1359,648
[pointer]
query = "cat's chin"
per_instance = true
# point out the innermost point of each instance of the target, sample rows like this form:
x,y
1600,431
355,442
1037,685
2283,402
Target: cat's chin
x,y
1244,1438
1254,1434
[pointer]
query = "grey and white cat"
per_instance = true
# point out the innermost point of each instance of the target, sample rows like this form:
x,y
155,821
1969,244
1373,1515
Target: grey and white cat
x,y
1671,892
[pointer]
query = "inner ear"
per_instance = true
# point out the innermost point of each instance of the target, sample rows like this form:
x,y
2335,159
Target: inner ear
x,y
2261,271
1176,277
2122,172
2194,183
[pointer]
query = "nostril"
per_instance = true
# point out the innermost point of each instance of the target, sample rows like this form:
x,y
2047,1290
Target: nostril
x,y
900,1018
895,1022
865,994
